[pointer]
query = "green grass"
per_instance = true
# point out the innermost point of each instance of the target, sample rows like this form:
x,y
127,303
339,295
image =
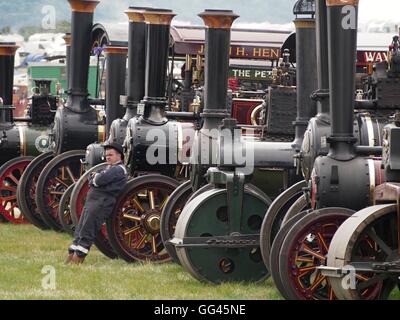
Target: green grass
x,y
25,250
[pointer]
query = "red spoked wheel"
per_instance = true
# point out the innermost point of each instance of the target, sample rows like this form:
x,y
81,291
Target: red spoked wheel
x,y
77,203
305,248
61,172
10,177
26,190
134,226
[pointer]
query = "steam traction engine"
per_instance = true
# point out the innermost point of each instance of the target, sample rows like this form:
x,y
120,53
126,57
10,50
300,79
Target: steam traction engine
x,y
21,138
76,124
343,179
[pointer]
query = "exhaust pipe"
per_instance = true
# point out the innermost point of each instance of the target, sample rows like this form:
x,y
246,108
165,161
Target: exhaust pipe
x,y
136,60
305,67
81,31
7,57
322,61
67,39
157,49
115,82
342,46
218,37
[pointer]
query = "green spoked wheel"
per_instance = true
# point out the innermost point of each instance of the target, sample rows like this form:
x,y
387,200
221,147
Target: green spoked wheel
x,y
77,203
134,226
26,190
64,211
222,256
368,238
170,215
61,172
275,215
10,177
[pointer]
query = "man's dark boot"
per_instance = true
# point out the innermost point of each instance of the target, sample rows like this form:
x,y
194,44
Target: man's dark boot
x,y
77,260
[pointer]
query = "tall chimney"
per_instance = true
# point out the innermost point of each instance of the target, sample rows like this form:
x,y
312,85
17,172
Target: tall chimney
x,y
218,36
322,59
136,60
305,67
67,39
7,56
157,49
81,32
342,46
115,82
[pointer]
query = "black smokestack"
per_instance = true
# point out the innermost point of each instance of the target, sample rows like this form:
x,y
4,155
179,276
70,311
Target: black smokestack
x,y
158,33
342,46
115,82
305,66
7,57
322,58
136,59
67,39
218,37
81,32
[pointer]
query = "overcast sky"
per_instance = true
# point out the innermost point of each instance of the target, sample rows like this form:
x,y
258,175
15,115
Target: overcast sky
x,y
379,10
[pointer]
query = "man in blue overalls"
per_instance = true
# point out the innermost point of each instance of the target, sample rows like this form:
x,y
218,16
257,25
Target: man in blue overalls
x,y
104,188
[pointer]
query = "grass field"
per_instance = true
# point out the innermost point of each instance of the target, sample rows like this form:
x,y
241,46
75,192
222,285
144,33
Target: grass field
x,y
26,250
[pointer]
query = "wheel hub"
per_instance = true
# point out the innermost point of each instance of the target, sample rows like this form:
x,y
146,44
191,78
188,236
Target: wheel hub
x,y
151,221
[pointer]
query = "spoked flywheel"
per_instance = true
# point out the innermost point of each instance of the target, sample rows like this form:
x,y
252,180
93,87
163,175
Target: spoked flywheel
x,y
368,244
134,226
10,177
26,191
77,203
64,211
170,215
206,247
61,172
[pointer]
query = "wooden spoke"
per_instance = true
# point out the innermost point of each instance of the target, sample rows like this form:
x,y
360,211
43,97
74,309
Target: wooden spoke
x,y
305,270
154,244
61,182
9,198
164,202
9,188
306,260
58,193
71,175
141,241
380,242
14,179
137,203
317,282
131,230
131,217
313,253
323,243
151,200
331,295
